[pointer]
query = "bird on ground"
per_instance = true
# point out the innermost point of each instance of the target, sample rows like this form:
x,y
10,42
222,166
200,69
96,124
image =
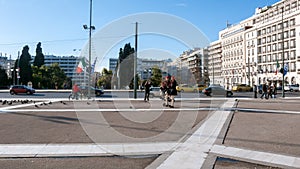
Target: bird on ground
x,y
50,102
4,102
10,103
36,106
88,103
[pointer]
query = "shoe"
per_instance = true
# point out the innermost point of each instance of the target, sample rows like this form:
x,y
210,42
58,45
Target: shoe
x,y
171,106
167,105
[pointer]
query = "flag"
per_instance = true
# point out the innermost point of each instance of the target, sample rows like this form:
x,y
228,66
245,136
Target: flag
x,y
277,67
81,66
285,69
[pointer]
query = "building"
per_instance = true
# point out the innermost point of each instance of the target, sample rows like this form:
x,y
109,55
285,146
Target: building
x,y
144,67
254,50
277,27
113,62
192,67
215,63
67,63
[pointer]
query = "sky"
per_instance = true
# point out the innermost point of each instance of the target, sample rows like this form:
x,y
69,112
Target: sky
x,y
58,24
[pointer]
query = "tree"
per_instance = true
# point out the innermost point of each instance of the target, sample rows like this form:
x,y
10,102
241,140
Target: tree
x,y
49,77
39,59
156,77
125,66
105,79
3,77
25,67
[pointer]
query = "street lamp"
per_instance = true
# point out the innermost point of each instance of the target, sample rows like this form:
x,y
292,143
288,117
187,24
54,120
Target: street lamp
x,y
90,28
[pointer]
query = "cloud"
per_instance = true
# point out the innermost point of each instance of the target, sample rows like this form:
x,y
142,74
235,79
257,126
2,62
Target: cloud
x,y
181,5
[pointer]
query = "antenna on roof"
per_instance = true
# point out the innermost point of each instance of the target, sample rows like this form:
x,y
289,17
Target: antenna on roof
x,y
227,24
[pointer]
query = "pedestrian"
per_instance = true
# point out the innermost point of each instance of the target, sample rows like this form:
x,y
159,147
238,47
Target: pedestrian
x,y
270,91
167,86
75,90
274,91
255,91
264,91
173,91
147,86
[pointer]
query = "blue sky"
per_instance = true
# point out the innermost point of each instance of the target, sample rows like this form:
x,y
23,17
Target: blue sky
x,y
58,23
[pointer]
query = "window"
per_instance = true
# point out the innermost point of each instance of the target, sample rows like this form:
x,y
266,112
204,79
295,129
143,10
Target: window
x,y
286,44
269,48
274,57
268,29
279,26
263,31
274,47
293,43
286,55
292,33
279,35
293,54
263,41
279,46
273,28
292,22
274,37
269,39
286,34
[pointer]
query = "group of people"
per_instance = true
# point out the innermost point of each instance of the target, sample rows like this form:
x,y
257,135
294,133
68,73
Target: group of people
x,y
268,91
168,89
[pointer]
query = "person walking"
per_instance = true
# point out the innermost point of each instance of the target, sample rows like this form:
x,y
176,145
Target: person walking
x,y
270,91
173,91
264,91
255,91
147,86
274,91
167,85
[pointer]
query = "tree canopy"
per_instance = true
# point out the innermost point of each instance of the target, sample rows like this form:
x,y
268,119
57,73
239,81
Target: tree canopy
x,y
125,66
25,66
3,77
39,59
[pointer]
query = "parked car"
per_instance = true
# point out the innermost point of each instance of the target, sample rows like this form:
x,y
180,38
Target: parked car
x,y
17,89
84,90
186,88
242,88
294,87
155,92
217,91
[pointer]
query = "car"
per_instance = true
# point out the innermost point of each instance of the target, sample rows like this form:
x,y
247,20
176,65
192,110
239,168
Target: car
x,y
186,88
200,87
97,91
218,91
242,88
293,87
17,89
155,92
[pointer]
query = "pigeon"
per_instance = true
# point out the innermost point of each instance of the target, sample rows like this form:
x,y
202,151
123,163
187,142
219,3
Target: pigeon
x,y
36,106
44,103
88,103
10,103
50,102
4,102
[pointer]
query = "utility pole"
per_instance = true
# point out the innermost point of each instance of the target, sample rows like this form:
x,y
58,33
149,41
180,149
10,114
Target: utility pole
x,y
135,60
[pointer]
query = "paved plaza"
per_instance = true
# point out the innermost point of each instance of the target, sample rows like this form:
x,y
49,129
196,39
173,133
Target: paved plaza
x,y
131,133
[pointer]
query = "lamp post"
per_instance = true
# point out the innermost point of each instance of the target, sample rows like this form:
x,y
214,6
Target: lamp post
x,y
90,28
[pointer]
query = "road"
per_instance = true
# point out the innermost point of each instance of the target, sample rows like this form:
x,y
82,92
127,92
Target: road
x,y
124,94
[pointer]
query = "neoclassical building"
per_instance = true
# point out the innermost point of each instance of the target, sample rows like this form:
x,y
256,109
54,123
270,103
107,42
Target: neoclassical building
x,y
252,50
